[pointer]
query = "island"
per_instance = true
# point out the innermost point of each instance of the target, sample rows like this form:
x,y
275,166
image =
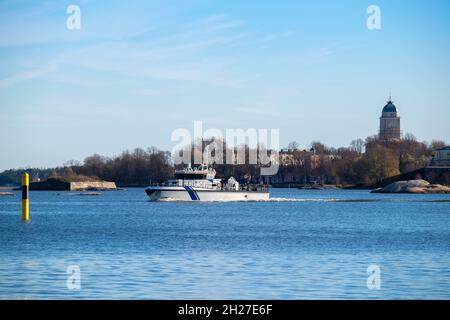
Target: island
x,y
65,184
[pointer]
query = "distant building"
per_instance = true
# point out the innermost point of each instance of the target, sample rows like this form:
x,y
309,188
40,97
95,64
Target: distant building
x,y
287,158
390,122
441,157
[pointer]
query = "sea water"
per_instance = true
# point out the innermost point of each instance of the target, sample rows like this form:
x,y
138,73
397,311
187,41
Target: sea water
x,y
303,244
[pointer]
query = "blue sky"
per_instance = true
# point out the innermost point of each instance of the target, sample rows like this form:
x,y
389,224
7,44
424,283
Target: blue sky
x,y
137,70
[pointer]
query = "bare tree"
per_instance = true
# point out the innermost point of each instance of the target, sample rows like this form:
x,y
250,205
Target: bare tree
x,y
293,145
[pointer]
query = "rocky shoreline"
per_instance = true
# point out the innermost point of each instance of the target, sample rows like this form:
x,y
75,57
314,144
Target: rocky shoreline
x,y
413,186
55,184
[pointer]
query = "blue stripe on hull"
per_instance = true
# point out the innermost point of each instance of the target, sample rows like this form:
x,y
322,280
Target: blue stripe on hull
x,y
196,194
192,193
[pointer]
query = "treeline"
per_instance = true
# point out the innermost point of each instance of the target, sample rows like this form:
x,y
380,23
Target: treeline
x,y
363,163
14,176
131,168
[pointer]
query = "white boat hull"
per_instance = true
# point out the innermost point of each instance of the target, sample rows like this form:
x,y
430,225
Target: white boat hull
x,y
199,194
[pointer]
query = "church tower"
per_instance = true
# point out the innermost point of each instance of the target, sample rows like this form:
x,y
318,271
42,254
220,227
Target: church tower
x,y
390,122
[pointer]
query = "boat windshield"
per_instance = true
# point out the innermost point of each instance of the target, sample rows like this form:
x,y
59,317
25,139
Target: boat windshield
x,y
190,176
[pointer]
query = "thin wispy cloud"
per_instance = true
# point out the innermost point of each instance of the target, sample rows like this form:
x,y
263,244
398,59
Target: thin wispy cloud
x,y
55,116
27,75
179,57
33,71
32,23
280,35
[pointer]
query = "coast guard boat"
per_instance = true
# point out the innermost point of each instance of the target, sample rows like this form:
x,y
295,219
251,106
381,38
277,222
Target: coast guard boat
x,y
200,184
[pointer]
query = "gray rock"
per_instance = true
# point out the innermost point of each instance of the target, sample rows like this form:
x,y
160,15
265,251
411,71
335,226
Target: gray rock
x,y
402,186
413,186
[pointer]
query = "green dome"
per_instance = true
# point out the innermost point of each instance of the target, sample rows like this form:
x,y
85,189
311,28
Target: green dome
x,y
390,107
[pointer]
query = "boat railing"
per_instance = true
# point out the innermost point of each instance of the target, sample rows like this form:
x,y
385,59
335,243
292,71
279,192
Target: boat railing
x,y
158,184
254,187
183,183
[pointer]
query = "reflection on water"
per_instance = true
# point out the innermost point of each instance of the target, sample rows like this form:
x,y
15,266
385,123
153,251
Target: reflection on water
x,y
303,244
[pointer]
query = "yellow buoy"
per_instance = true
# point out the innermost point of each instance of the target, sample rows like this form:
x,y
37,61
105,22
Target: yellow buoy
x,y
25,201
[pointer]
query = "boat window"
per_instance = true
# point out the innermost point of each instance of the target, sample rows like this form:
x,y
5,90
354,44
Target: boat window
x,y
190,176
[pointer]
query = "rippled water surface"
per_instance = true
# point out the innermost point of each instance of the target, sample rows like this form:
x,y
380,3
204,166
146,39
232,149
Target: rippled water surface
x,y
303,244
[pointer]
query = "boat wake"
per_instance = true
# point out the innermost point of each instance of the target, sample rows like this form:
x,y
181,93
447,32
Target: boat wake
x,y
320,200
352,200
310,200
